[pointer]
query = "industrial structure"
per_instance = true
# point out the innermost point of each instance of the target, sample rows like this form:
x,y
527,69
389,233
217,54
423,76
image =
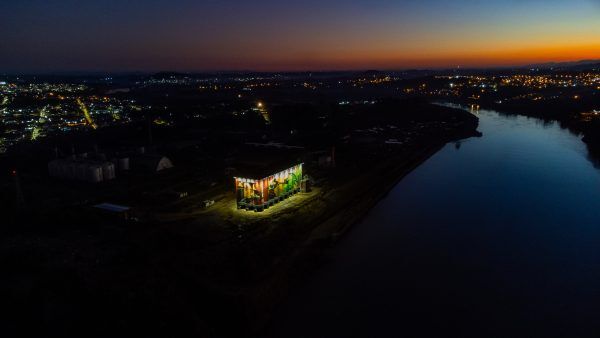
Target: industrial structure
x,y
151,163
82,170
96,167
81,167
260,194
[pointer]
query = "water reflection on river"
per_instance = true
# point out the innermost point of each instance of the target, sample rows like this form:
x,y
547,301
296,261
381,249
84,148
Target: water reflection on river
x,y
496,237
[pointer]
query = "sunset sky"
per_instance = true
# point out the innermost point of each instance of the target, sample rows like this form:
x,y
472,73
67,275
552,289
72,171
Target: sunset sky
x,y
188,35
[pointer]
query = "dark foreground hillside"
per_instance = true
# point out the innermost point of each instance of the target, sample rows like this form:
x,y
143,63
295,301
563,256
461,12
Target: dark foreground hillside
x,y
179,269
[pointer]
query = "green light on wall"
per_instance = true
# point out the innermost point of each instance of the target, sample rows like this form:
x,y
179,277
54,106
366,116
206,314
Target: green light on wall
x,y
260,194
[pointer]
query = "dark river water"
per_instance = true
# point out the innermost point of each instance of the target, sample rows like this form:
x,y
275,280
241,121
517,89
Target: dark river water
x,y
497,236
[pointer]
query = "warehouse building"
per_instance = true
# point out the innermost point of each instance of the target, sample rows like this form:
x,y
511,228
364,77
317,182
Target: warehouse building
x,y
82,170
259,194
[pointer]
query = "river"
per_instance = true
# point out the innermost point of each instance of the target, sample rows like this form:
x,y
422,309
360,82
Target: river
x,y
497,236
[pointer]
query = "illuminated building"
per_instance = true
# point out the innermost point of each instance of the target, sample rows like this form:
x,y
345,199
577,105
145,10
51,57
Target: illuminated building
x,y
260,194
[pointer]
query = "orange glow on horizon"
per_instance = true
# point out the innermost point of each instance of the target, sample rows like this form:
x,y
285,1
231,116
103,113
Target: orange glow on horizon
x,y
498,56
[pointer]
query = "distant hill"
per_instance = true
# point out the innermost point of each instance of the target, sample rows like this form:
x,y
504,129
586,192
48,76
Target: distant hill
x,y
571,65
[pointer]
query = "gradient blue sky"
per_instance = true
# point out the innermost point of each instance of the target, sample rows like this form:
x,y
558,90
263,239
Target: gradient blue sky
x,y
190,35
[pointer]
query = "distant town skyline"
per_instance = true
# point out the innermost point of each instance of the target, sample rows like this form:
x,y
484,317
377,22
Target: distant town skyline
x,y
268,35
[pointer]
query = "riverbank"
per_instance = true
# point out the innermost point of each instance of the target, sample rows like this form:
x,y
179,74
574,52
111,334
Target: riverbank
x,y
310,254
575,115
323,237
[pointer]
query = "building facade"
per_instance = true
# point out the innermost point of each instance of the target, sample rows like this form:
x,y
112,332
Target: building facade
x,y
260,194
